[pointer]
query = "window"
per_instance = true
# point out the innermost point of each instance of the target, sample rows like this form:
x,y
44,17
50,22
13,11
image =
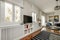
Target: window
x,y
12,13
43,20
17,13
8,12
34,16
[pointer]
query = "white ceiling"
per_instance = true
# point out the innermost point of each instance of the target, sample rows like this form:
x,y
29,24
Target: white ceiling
x,y
45,5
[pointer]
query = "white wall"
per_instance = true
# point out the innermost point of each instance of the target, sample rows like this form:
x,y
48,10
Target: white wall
x,y
17,2
40,17
0,10
53,13
49,14
18,31
29,8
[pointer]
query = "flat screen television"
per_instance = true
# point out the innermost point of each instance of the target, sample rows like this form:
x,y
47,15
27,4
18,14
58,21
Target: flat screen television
x,y
57,24
27,19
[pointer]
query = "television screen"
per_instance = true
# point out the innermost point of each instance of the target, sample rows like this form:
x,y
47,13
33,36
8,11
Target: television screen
x,y
57,24
27,19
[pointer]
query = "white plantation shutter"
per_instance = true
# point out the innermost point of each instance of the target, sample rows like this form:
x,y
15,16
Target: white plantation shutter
x,y
34,17
8,12
17,13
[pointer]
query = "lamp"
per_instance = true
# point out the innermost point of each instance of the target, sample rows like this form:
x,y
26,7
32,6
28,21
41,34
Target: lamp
x,y
57,7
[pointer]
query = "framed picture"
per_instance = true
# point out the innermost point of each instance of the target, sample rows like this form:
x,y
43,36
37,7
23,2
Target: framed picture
x,y
51,18
56,18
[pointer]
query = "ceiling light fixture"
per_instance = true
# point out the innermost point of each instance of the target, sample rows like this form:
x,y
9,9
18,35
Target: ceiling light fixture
x,y
57,7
